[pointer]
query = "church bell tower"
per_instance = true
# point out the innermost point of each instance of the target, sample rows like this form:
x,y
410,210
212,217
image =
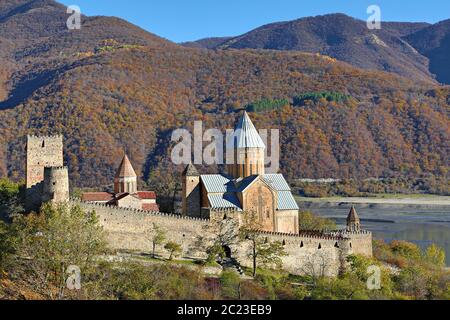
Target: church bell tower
x,y
125,180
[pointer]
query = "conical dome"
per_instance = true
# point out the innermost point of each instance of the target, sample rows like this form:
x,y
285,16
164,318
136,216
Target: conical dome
x,y
126,179
353,215
246,134
190,171
249,150
125,168
353,221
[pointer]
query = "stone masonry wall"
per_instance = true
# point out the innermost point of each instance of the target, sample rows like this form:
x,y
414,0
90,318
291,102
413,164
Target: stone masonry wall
x,y
131,229
360,242
41,152
306,253
311,253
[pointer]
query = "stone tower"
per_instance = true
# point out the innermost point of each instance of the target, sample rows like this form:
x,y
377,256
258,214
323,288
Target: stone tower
x,y
353,222
56,184
248,150
126,178
191,192
41,152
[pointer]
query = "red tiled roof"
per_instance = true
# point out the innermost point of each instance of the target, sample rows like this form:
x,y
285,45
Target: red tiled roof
x,y
150,207
147,195
97,196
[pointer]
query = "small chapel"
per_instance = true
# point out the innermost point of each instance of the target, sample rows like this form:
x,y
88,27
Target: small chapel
x,y
126,194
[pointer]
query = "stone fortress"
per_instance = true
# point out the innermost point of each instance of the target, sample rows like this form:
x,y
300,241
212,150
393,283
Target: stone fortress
x,y
206,199
46,177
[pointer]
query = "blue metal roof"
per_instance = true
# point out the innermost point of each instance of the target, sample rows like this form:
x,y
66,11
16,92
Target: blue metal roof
x,y
224,201
244,183
217,183
286,201
277,182
222,190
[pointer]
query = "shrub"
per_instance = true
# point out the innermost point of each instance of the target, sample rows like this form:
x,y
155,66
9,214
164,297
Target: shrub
x,y
173,248
230,285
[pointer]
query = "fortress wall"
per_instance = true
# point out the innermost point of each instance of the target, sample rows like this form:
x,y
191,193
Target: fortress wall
x,y
303,253
310,253
132,229
361,242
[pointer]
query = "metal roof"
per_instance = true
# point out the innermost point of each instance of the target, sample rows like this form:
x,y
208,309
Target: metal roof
x,y
246,135
244,183
222,201
222,190
286,201
277,182
217,183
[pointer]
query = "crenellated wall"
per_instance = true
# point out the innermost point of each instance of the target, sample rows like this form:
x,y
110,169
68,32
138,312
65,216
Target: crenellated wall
x,y
309,252
360,242
132,229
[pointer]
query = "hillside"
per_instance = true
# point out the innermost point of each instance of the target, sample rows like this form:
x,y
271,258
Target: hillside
x,y
434,43
207,43
341,37
112,86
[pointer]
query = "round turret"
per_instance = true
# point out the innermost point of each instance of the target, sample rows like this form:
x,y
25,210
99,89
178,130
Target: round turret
x,y
56,184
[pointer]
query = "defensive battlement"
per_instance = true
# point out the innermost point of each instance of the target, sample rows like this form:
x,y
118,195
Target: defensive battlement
x,y
119,210
346,232
58,168
56,137
318,235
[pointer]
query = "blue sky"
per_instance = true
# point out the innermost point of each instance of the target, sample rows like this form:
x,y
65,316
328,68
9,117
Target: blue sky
x,y
184,20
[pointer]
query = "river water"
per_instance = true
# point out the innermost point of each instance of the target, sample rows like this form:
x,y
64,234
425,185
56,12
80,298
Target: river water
x,y
420,225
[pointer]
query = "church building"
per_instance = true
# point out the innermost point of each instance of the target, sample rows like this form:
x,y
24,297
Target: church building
x,y
126,194
245,187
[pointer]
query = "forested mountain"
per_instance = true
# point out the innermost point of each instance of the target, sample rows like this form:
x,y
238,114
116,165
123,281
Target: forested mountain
x,y
112,86
398,47
434,43
207,43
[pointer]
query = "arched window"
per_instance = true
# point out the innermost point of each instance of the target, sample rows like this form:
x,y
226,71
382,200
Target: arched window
x,y
320,246
301,244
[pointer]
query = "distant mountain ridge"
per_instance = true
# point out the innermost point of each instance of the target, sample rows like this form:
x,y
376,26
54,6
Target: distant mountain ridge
x,y
395,48
112,86
434,43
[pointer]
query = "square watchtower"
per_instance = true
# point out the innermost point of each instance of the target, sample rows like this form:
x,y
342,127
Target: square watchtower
x,y
41,152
